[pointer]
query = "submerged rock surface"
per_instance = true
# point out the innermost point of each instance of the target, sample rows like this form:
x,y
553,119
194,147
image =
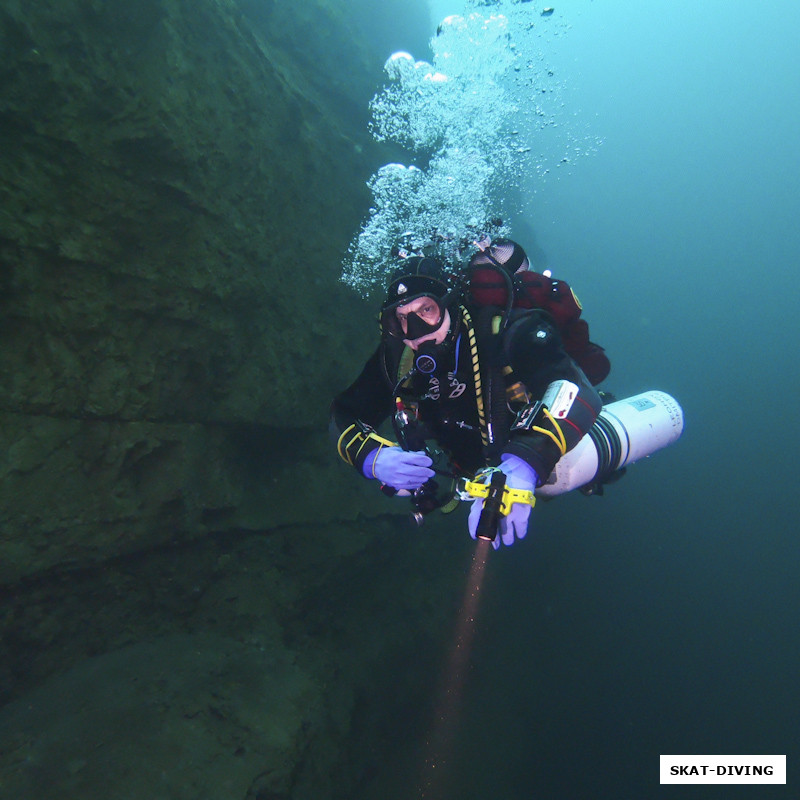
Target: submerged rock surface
x,y
179,182
189,607
247,666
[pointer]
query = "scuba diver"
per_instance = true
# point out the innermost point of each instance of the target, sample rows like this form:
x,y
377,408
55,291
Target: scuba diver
x,y
479,384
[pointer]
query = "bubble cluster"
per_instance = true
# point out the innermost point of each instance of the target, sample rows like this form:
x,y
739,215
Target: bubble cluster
x,y
466,118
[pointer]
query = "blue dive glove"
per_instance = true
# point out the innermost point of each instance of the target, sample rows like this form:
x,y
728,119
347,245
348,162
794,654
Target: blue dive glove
x,y
519,475
398,468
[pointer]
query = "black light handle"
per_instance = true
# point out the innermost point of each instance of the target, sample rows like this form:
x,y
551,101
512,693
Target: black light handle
x,y
491,514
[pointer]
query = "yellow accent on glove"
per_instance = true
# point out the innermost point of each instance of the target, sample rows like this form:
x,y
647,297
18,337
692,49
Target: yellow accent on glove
x,y
350,448
476,489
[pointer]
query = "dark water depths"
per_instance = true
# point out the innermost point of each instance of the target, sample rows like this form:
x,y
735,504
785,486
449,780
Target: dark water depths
x,y
660,618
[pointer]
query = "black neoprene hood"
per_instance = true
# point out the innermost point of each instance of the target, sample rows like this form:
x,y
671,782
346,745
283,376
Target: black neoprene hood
x,y
418,277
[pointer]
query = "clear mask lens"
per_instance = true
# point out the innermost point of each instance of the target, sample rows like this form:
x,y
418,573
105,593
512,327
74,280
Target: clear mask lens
x,y
429,313
415,318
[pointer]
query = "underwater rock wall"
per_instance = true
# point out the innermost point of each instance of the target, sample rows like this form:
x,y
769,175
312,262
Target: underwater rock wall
x,y
179,181
233,667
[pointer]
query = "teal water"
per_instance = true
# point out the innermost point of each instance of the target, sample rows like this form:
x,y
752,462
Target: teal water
x,y
653,166
660,618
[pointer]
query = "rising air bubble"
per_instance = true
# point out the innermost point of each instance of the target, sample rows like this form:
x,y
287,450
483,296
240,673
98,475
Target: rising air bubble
x,y
463,119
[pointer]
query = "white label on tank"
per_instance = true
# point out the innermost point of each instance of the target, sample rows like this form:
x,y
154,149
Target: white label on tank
x,y
641,404
559,397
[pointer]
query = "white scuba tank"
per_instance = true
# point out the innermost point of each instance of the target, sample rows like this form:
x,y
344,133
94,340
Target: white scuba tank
x,y
625,431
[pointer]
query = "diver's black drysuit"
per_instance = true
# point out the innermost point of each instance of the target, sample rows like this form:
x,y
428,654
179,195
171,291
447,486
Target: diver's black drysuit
x,y
502,372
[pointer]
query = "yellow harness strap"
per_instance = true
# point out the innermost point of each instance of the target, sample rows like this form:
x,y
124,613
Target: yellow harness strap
x,y
407,361
476,376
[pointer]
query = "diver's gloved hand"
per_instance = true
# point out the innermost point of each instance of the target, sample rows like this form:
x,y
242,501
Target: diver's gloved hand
x,y
519,475
398,468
